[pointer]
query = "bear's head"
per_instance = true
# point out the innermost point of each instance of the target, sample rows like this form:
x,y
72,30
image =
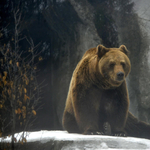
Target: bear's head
x,y
114,64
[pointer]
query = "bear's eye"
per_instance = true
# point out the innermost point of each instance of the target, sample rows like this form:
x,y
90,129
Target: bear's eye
x,y
123,64
112,65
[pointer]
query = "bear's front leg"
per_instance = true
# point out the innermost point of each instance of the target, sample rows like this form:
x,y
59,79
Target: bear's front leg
x,y
87,119
119,112
118,124
85,111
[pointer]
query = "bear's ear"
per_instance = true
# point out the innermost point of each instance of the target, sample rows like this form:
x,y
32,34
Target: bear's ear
x,y
101,50
124,49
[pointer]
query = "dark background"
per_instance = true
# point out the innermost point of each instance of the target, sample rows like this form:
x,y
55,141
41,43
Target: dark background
x,y
65,29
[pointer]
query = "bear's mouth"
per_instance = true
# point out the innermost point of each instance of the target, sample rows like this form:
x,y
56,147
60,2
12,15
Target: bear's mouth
x,y
116,83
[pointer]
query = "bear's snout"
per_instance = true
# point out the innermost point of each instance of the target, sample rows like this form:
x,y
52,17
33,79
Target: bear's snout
x,y
120,76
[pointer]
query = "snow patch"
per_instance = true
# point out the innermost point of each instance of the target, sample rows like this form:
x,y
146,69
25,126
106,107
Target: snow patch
x,y
65,141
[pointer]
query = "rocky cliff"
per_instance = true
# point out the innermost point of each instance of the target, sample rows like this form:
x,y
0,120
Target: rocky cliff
x,y
88,24
112,24
66,29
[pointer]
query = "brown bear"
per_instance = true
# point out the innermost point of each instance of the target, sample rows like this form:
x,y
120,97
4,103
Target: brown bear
x,y
98,95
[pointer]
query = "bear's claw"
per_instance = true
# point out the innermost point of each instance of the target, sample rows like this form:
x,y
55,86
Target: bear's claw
x,y
94,133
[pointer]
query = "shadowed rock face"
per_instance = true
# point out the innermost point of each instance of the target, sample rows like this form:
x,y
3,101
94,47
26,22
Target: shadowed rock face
x,y
143,12
55,140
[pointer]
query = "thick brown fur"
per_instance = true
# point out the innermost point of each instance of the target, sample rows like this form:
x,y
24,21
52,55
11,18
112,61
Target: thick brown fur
x,y
98,95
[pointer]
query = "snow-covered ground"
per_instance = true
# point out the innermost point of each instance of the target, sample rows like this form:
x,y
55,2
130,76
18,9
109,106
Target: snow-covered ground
x,y
61,140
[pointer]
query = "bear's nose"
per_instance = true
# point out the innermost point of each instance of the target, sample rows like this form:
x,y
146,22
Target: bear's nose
x,y
120,76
